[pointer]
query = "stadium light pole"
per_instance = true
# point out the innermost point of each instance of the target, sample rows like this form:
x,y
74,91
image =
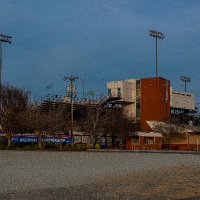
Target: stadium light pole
x,y
186,80
157,35
6,39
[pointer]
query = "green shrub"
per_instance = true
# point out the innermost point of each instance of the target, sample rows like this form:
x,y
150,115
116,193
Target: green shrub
x,y
35,146
52,146
2,146
48,146
83,146
18,146
66,147
7,148
90,146
75,148
27,147
79,147
12,146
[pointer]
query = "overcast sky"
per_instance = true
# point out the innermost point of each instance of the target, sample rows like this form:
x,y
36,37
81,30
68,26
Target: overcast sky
x,y
99,41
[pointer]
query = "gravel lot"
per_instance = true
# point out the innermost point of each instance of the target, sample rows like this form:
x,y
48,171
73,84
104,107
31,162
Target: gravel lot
x,y
97,175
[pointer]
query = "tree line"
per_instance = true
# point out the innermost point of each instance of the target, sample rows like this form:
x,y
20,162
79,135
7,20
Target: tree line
x,y
20,115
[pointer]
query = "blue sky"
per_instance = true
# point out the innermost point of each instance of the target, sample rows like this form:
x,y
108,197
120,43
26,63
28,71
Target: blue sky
x,y
99,41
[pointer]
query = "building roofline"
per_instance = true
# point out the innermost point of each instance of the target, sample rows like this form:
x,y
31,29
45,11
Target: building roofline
x,y
155,78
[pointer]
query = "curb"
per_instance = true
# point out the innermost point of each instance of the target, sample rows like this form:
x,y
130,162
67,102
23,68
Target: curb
x,y
143,151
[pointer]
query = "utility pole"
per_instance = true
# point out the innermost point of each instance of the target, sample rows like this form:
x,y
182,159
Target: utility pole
x,y
157,35
6,39
71,94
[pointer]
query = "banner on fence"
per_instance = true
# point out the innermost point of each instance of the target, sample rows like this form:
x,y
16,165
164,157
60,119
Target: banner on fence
x,y
16,139
22,139
56,139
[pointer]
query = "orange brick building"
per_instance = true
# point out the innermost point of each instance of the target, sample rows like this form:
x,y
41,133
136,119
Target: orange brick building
x,y
155,101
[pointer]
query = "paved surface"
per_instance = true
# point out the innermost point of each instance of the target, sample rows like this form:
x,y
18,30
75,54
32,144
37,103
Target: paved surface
x,y
96,175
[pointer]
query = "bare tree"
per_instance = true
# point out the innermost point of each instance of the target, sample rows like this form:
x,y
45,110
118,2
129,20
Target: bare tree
x,y
99,119
40,122
93,120
170,130
120,125
13,101
19,116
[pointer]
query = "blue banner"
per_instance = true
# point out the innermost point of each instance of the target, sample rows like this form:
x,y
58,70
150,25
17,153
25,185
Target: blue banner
x,y
56,140
22,139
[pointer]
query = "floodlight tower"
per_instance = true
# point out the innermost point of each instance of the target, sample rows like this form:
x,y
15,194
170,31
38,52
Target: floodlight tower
x,y
71,92
186,80
7,39
157,35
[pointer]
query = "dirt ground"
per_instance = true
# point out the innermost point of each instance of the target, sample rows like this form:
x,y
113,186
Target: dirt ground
x,y
178,183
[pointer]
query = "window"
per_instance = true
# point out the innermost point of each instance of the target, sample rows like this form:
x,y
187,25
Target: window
x,y
119,92
109,92
137,84
149,140
135,140
138,109
138,93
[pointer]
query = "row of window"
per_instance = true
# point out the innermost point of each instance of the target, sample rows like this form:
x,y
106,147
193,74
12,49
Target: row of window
x,y
189,95
147,140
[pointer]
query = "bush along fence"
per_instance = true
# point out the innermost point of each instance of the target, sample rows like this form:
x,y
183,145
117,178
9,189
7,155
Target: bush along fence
x,y
36,142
